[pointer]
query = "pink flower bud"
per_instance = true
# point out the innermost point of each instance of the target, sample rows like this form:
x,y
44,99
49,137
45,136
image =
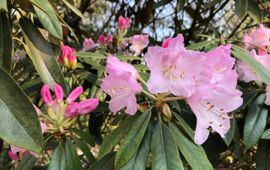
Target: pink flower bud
x,y
72,110
102,39
46,95
13,155
74,94
68,57
110,38
87,106
59,94
123,23
88,44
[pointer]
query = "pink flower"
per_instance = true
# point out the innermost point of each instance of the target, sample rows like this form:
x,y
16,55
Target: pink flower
x,y
259,37
103,40
75,109
171,68
68,57
46,95
74,94
88,44
138,43
123,23
121,85
59,94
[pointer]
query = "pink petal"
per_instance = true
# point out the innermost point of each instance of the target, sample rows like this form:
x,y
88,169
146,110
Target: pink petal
x,y
72,110
46,94
87,106
13,155
59,94
74,94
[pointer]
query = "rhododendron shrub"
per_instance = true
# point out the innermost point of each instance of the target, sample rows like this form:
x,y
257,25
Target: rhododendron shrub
x,y
120,95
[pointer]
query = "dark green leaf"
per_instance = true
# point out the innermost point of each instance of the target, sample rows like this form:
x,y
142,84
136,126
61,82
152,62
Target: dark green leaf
x,y
140,159
115,136
91,55
132,140
230,134
58,161
27,163
42,55
243,55
72,159
266,134
48,18
182,123
18,116
85,136
241,7
86,150
164,150
6,46
105,163
255,122
194,154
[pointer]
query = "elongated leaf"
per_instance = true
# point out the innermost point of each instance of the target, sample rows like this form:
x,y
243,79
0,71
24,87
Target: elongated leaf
x,y
243,55
266,134
230,134
255,122
73,8
140,159
132,140
18,119
85,136
3,5
199,45
255,12
105,163
86,150
42,55
241,7
164,149
194,154
181,122
27,163
72,159
58,161
5,42
91,55
115,136
47,17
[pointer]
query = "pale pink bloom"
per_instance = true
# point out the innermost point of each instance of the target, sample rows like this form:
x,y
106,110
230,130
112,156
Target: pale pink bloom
x,y
166,42
246,73
123,23
46,95
121,85
59,94
138,43
88,44
74,94
267,100
259,37
171,68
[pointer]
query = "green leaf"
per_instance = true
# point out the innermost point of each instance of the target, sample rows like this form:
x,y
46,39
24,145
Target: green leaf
x,y
85,136
19,123
164,150
58,161
72,159
27,163
241,7
255,12
6,46
115,136
263,156
42,55
255,122
243,55
47,16
266,134
194,154
85,149
91,55
183,124
73,8
132,140
200,45
3,5
106,163
126,58
140,159
230,134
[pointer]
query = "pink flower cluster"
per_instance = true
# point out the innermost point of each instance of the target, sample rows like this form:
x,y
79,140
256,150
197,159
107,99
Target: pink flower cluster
x,y
72,108
68,57
123,23
207,81
257,43
103,40
121,84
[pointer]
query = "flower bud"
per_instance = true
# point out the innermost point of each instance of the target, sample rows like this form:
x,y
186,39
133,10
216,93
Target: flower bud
x,y
59,94
46,95
74,94
87,106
